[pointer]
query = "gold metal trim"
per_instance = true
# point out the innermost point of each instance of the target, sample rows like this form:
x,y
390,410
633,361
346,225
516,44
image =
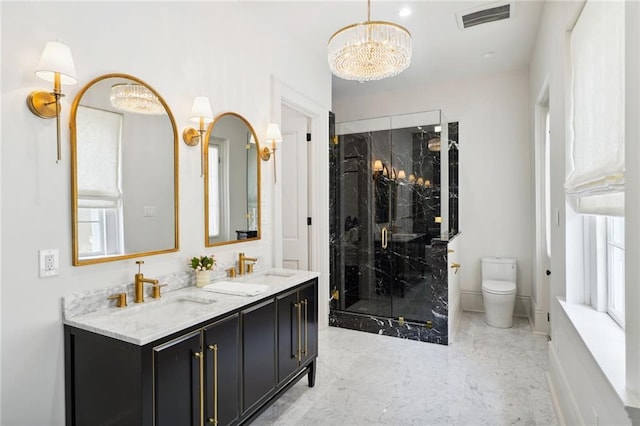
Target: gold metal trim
x,y
357,24
206,182
76,261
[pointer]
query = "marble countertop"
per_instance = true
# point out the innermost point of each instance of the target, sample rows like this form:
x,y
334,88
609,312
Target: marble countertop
x,y
179,309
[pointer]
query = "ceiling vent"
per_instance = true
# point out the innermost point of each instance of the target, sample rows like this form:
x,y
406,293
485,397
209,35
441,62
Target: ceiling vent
x,y
484,14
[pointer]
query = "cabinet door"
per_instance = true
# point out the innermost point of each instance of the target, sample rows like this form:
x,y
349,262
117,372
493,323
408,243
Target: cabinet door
x,y
259,353
289,334
178,392
308,299
222,350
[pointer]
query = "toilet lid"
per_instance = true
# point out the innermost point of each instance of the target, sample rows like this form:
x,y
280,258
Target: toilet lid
x,y
499,287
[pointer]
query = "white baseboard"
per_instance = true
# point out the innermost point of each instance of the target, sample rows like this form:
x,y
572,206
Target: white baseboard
x,y
472,301
538,319
562,397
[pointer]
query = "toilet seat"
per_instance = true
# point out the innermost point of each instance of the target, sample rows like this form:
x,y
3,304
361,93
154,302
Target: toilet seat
x,y
499,287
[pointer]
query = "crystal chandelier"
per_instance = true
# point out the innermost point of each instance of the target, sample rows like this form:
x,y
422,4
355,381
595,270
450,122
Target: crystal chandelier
x,y
370,50
136,98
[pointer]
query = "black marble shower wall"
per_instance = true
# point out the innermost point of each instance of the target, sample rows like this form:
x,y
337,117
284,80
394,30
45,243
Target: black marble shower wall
x,y
395,283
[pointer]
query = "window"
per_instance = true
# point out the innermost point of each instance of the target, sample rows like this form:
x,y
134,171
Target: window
x,y
604,265
615,269
99,175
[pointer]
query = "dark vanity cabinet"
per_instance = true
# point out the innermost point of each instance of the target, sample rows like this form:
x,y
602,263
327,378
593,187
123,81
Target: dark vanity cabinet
x,y
259,355
297,331
224,371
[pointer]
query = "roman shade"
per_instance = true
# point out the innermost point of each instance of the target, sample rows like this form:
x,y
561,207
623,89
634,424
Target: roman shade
x,y
595,182
98,158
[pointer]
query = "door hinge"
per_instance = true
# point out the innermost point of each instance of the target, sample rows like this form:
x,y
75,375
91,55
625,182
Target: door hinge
x,y
308,137
548,317
308,221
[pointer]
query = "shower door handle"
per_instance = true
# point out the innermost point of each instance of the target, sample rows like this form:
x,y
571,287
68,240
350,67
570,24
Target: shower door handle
x,y
384,236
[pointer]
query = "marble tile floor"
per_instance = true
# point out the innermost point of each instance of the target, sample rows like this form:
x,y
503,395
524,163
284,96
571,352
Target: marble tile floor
x,y
488,376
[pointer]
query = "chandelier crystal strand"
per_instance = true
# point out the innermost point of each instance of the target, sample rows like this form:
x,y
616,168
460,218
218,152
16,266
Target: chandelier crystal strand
x,y
370,50
135,98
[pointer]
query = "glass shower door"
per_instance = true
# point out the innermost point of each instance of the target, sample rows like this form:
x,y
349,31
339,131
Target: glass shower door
x,y
363,208
386,183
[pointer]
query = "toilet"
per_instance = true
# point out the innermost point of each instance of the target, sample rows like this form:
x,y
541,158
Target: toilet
x,y
499,290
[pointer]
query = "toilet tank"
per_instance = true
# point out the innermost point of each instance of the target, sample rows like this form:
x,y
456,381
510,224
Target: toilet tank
x,y
499,269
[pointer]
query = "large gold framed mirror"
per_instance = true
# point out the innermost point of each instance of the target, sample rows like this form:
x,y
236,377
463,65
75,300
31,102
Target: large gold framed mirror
x,y
231,181
124,171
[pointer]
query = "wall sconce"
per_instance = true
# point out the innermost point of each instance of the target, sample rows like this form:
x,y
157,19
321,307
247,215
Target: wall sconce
x,y
200,113
56,66
420,181
412,178
402,175
273,135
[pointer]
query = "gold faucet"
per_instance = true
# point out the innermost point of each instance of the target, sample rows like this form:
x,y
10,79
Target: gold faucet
x,y
241,262
139,284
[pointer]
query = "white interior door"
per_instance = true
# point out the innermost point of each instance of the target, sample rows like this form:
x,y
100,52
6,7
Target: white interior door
x,y
295,199
544,216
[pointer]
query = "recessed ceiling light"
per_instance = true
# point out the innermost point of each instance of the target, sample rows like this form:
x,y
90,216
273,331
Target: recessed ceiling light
x,y
405,11
488,55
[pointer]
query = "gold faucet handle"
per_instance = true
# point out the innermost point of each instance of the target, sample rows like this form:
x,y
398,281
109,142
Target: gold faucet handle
x,y
231,272
139,263
156,290
250,268
121,299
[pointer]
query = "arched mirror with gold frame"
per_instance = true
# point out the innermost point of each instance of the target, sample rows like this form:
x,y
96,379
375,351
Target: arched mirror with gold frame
x,y
124,171
231,181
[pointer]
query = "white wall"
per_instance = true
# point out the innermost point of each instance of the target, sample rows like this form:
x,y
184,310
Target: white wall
x,y
496,190
182,50
584,394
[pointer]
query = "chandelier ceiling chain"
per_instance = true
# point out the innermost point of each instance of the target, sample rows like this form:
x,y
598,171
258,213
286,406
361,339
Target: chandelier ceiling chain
x,y
370,50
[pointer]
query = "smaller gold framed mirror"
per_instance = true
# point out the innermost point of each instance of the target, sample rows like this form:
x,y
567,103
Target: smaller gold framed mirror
x,y
232,181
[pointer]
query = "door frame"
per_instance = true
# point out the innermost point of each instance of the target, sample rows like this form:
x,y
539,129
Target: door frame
x,y
318,186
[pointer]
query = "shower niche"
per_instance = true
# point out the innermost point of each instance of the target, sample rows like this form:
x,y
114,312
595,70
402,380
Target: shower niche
x,y
393,214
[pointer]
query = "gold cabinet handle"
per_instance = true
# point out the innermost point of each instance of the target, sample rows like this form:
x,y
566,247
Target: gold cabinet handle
x,y
306,329
214,419
384,237
200,357
455,266
299,309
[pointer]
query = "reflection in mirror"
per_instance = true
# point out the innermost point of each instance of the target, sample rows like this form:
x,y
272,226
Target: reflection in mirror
x,y
124,171
232,181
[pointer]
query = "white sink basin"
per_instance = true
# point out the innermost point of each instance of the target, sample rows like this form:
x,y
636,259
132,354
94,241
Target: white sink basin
x,y
159,312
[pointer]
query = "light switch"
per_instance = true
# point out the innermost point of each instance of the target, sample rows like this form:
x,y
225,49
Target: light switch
x,y
150,211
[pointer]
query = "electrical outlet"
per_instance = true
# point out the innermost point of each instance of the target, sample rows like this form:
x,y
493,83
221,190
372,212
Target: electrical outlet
x,y
49,263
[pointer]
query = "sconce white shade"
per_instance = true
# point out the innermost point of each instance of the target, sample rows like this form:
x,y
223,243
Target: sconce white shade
x,y
201,109
273,133
402,174
377,166
252,140
56,58
412,178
